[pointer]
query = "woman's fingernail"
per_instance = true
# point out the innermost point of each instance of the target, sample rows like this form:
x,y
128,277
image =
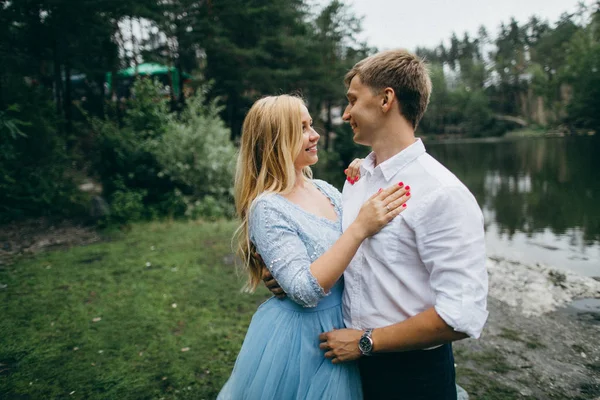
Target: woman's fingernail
x,y
380,189
356,179
401,184
407,194
404,205
407,188
346,171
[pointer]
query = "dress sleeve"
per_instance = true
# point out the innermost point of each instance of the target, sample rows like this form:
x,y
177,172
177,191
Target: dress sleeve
x,y
283,252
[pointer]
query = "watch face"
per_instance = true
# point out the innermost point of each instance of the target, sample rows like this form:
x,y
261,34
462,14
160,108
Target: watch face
x,y
365,344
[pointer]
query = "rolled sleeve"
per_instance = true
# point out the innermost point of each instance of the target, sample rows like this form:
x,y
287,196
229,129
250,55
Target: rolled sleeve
x,y
284,253
451,243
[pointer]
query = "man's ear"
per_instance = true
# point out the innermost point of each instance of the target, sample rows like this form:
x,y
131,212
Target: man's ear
x,y
388,99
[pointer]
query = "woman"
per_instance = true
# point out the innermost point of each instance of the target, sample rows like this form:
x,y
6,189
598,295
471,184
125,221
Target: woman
x,y
294,223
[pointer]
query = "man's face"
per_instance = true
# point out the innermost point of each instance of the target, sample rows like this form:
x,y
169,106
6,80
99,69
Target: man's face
x,y
363,111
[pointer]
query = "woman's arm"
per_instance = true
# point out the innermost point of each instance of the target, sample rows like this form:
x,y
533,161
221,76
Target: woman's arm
x,y
285,256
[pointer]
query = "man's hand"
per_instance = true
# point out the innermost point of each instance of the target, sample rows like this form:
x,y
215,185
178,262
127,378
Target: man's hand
x,y
271,283
341,345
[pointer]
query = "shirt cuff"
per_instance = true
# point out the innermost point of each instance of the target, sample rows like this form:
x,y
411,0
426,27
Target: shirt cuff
x,y
466,316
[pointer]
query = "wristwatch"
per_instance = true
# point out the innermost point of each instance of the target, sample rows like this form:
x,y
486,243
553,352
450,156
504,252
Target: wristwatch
x,y
365,344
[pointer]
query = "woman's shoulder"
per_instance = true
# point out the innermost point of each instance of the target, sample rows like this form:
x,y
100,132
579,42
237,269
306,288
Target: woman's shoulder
x,y
263,202
326,186
331,191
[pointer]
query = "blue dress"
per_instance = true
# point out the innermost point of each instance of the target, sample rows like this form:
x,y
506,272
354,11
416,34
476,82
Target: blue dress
x,y
280,357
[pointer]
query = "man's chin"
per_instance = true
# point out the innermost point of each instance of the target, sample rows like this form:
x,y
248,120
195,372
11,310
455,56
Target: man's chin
x,y
358,140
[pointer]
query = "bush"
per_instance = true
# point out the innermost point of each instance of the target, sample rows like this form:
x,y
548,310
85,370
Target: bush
x,y
126,205
195,152
159,163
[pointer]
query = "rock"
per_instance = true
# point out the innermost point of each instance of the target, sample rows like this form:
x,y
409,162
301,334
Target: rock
x,y
99,207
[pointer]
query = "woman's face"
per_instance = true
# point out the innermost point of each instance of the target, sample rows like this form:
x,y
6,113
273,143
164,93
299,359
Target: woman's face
x,y
310,137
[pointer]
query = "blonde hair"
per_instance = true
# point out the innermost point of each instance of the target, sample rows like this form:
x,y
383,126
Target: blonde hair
x,y
271,141
404,72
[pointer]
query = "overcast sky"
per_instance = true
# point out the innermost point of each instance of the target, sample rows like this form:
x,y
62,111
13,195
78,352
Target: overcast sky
x,y
411,23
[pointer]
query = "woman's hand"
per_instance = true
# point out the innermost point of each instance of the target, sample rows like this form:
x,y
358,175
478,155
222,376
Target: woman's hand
x,y
353,171
381,208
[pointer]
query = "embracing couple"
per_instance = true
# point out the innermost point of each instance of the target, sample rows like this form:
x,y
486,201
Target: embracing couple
x,y
378,280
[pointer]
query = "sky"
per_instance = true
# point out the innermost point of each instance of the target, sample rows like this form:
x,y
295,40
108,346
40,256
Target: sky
x,y
410,23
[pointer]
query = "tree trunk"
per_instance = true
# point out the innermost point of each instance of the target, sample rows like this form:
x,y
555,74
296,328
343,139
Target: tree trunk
x,y
179,70
57,79
68,101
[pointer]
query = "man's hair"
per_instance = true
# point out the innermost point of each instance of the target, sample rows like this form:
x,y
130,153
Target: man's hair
x,y
402,71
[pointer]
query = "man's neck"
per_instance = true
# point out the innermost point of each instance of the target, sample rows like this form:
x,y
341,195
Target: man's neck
x,y
390,144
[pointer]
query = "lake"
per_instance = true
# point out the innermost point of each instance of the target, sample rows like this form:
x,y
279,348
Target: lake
x,y
540,197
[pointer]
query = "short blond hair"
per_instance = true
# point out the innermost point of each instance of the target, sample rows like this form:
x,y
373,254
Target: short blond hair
x,y
402,71
271,141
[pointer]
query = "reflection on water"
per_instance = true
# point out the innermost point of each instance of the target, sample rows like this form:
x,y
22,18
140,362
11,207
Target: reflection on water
x,y
540,197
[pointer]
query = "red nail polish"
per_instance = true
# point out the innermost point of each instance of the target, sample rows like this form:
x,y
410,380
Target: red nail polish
x,y
356,179
380,189
407,193
346,171
352,181
401,184
407,188
404,205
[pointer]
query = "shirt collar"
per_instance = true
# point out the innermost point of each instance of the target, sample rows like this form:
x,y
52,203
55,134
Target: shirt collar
x,y
392,166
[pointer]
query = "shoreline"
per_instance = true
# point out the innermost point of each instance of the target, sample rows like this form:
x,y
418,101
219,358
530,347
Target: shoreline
x,y
535,345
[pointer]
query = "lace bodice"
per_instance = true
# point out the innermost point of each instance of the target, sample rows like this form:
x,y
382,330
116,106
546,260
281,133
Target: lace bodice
x,y
289,239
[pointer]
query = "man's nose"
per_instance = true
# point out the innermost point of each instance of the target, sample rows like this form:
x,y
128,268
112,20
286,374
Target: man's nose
x,y
346,114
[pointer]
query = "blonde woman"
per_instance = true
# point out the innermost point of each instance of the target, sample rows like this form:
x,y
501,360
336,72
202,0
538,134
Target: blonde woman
x,y
294,223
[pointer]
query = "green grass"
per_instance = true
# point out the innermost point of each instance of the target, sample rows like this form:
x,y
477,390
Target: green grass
x,y
51,348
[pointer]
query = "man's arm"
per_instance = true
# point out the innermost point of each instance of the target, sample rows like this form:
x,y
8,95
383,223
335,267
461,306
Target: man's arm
x,y
450,241
270,282
424,330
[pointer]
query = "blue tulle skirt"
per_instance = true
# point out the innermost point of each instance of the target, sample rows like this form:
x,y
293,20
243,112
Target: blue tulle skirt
x,y
280,357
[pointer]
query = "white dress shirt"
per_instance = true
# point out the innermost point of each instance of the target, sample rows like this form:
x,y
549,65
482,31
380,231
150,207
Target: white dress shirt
x,y
431,255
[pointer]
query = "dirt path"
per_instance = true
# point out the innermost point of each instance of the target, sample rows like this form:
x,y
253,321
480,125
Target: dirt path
x,y
38,235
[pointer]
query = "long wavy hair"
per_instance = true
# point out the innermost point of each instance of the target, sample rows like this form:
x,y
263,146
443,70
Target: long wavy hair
x,y
271,141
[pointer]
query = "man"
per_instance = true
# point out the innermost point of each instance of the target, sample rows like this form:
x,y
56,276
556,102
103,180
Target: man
x,y
420,283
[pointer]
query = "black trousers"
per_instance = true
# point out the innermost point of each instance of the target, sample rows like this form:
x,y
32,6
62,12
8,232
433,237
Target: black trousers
x,y
411,375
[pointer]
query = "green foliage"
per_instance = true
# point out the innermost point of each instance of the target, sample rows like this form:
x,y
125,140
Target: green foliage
x,y
477,114
583,73
163,164
126,205
124,160
196,154
34,162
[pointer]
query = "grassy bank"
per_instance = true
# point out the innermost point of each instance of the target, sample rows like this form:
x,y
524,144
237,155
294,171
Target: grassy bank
x,y
169,317
154,313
